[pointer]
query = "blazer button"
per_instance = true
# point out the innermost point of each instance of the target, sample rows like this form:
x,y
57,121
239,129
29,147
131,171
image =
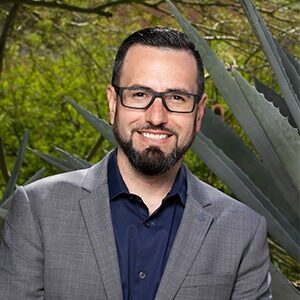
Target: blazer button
x,y
147,224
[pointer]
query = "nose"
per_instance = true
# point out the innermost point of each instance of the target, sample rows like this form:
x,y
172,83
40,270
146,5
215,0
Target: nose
x,y
157,114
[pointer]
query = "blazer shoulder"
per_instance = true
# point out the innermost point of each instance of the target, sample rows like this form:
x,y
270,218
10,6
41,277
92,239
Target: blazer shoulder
x,y
72,178
83,178
63,191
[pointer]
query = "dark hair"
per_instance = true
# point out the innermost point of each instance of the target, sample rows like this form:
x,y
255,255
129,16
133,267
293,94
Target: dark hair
x,y
158,37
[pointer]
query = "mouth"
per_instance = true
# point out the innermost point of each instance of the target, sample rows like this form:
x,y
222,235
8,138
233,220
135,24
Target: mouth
x,y
155,136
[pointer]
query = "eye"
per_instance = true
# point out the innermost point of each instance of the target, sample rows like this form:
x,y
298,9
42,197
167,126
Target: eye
x,y
138,94
177,97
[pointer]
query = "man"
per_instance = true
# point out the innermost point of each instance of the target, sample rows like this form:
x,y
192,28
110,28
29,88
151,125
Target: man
x,y
138,225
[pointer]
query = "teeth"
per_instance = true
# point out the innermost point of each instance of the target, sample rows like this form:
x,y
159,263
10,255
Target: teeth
x,y
154,136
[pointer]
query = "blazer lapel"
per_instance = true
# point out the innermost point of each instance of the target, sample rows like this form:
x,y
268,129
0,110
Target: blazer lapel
x,y
193,228
96,212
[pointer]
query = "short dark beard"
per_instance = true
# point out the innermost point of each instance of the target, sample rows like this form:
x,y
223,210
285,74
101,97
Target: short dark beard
x,y
151,161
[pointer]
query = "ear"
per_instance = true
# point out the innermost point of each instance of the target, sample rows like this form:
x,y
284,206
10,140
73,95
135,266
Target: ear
x,y
200,112
112,103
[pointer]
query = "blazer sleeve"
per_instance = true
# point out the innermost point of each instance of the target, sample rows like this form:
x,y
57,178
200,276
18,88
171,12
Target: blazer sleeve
x,y
21,252
253,278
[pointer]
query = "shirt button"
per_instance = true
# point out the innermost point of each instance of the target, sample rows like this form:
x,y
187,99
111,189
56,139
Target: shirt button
x,y
147,224
142,275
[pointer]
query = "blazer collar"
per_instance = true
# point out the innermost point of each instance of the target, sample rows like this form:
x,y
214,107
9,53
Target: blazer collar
x,y
97,217
192,231
96,175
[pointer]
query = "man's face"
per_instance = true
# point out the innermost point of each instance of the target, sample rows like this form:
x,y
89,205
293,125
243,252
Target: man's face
x,y
155,139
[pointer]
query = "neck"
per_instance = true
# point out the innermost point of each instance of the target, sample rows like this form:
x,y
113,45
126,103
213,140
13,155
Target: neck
x,y
151,189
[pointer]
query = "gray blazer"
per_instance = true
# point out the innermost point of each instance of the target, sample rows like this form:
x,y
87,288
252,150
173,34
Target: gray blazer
x,y
59,244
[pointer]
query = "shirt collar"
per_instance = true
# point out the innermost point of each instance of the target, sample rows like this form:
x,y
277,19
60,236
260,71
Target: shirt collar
x,y
117,185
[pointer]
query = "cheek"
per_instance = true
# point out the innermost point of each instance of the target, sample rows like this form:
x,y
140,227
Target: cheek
x,y
125,120
187,128
131,119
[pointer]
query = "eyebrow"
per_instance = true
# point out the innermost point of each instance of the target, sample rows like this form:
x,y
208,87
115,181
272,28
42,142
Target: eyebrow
x,y
179,90
167,91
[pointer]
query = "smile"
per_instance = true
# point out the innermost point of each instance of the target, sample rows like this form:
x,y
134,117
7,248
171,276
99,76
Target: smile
x,y
154,136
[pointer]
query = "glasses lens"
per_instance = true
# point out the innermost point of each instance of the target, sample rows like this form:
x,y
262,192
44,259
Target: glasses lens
x,y
136,98
179,102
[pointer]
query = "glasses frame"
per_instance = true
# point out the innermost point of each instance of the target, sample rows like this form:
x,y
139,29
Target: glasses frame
x,y
119,91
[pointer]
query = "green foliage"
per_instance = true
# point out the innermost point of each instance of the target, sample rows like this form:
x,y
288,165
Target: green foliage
x,y
284,69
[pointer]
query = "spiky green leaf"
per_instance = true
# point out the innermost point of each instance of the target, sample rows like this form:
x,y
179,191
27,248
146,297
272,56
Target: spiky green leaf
x,y
73,161
57,162
284,71
16,170
39,174
281,288
100,125
290,69
293,61
276,99
3,164
36,176
283,137
6,203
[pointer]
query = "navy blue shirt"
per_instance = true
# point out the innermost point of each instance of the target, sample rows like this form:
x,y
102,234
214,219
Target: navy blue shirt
x,y
143,242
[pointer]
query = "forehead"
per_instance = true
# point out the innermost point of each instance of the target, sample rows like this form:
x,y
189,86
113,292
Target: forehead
x,y
158,67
